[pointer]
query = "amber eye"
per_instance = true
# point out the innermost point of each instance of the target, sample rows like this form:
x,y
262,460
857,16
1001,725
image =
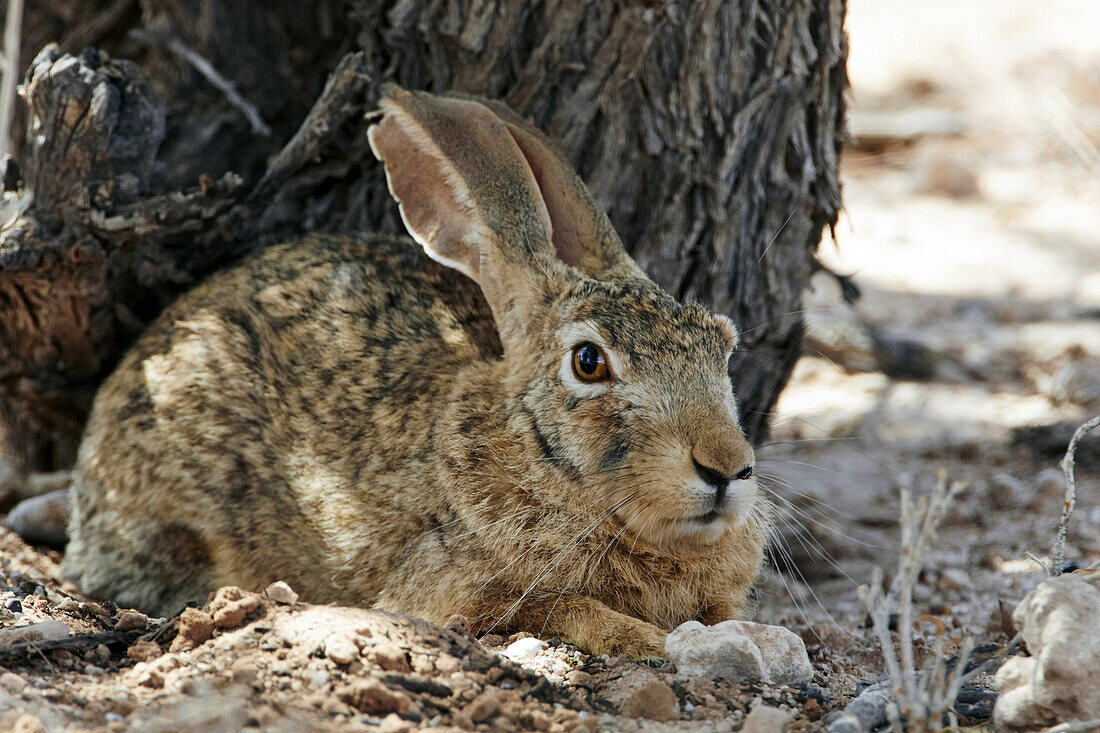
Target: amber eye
x,y
589,363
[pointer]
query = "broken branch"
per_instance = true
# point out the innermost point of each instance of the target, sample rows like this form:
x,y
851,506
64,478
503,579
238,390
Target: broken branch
x,y
1071,494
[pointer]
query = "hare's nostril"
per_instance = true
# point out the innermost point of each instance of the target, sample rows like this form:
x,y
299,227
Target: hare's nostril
x,y
745,473
715,478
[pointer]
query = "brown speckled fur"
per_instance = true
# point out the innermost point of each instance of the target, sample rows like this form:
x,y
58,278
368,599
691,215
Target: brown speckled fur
x,y
378,429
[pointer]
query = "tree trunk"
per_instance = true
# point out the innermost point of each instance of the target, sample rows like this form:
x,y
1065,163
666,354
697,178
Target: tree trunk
x,y
708,129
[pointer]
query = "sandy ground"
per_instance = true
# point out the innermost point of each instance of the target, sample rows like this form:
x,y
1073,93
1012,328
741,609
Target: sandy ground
x,y
972,226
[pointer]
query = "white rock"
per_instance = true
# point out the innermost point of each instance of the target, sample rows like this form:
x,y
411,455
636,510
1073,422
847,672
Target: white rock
x,y
766,719
1058,681
280,592
41,631
317,678
711,651
524,648
740,650
12,682
42,519
340,649
783,651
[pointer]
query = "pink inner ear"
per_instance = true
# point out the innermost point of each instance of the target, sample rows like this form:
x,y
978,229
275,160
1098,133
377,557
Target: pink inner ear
x,y
554,190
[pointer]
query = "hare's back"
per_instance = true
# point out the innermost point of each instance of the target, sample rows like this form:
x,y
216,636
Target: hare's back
x,y
320,353
283,403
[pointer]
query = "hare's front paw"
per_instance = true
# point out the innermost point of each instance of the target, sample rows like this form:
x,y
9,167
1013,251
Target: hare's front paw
x,y
639,641
594,627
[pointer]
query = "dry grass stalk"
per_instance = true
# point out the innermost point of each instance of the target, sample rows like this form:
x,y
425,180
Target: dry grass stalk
x,y
10,71
921,698
1059,551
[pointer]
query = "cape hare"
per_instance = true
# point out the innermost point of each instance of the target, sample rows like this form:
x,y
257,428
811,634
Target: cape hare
x,y
504,418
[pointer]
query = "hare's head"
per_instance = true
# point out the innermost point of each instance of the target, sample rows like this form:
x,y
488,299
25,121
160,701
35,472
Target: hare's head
x,y
625,392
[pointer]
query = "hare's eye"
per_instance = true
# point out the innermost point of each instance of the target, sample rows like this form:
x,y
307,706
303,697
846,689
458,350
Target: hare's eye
x,y
589,363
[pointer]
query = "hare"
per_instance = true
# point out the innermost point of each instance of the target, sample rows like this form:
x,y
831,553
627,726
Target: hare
x,y
503,419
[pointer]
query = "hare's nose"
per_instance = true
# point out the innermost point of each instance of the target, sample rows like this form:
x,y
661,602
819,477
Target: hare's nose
x,y
712,476
719,471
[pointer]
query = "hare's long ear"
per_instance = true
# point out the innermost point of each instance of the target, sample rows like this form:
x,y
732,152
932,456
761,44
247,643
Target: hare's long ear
x,y
468,196
582,234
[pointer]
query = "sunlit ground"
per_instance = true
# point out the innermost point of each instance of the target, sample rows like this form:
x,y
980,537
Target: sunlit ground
x,y
979,238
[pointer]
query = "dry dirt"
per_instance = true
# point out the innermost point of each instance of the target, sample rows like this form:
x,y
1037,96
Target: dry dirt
x,y
971,226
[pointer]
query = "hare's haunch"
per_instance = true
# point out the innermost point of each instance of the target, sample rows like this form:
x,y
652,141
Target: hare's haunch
x,y
504,419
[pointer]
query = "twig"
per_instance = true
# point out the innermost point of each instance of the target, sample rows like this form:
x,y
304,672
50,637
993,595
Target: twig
x,y
1075,726
10,71
1071,493
343,93
921,698
13,655
204,67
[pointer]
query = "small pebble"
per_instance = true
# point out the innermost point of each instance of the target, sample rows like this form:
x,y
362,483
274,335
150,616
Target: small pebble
x,y
69,605
12,682
340,649
280,592
41,631
131,620
524,648
14,605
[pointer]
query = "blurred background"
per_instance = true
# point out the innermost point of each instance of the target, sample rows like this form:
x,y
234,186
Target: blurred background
x,y
971,224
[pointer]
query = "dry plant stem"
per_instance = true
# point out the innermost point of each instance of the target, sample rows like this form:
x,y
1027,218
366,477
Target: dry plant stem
x,y
1071,494
204,67
1075,726
10,71
921,698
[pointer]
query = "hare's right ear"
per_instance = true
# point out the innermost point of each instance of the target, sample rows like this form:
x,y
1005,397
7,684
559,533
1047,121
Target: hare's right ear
x,y
468,197
582,234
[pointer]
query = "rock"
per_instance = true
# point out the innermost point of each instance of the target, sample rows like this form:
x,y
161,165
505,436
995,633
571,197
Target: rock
x,y
783,652
580,678
69,605
485,706
144,651
491,640
766,719
653,701
131,620
151,678
390,658
12,682
340,649
41,631
458,624
317,678
741,651
702,651
393,723
27,723
954,578
42,519
524,649
280,592
1058,681
374,698
231,606
195,627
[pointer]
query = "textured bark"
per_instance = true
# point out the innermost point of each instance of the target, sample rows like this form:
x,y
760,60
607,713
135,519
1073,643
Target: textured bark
x,y
709,130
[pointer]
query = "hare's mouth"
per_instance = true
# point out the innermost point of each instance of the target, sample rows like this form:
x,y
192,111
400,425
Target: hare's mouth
x,y
707,518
